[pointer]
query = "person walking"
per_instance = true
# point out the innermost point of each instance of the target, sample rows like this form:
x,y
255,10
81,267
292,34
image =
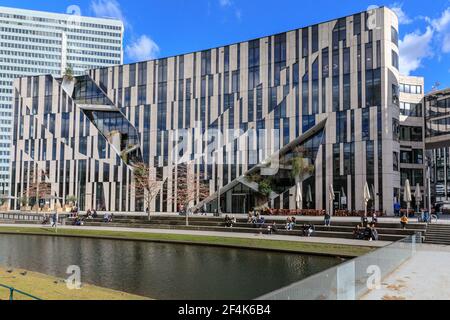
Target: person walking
x,y
397,208
327,219
54,220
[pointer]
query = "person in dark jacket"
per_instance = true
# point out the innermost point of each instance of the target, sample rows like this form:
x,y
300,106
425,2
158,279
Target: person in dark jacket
x,y
327,219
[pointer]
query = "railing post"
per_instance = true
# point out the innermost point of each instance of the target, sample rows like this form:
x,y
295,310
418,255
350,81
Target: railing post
x,y
11,294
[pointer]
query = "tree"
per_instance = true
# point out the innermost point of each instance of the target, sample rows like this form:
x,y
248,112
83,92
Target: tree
x,y
71,199
300,166
265,188
146,184
38,188
191,188
24,201
68,73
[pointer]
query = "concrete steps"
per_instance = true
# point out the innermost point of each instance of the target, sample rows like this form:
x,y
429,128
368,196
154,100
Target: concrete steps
x,y
388,231
347,234
438,234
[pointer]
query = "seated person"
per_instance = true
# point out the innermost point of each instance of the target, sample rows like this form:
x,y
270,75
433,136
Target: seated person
x,y
272,228
228,222
404,221
374,218
94,214
260,222
374,234
364,221
76,222
310,230
357,233
289,224
106,218
367,233
79,222
46,220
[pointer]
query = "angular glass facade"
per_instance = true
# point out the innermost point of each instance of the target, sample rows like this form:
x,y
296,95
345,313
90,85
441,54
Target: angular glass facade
x,y
227,111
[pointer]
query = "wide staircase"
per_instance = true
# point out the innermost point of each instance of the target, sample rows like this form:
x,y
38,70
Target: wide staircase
x,y
339,229
438,234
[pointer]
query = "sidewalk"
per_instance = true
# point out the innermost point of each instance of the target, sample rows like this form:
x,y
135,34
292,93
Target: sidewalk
x,y
442,219
375,244
424,277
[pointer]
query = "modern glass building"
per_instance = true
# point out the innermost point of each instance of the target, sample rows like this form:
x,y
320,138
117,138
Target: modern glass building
x,y
438,141
34,42
239,115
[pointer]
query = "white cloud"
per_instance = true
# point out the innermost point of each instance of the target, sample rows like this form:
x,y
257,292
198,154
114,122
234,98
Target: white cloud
x,y
231,6
414,48
441,26
446,44
142,49
402,16
225,3
442,23
108,9
238,14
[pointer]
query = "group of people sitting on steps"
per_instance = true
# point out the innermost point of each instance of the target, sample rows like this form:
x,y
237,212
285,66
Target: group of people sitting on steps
x,y
365,230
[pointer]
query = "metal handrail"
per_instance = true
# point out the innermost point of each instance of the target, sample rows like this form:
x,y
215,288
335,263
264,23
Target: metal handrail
x,y
13,290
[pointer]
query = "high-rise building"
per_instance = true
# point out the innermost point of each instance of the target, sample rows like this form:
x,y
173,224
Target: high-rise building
x,y
35,42
242,119
411,161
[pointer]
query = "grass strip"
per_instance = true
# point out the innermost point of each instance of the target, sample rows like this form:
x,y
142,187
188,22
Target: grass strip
x,y
50,288
328,249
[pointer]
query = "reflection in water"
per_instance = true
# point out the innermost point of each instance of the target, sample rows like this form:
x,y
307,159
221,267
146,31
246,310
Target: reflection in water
x,y
162,271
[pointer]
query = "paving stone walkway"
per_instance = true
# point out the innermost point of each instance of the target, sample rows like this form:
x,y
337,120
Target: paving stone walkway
x,y
424,277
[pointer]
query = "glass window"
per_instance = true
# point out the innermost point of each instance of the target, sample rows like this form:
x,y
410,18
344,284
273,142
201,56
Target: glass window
x,y
366,124
356,24
142,75
206,62
132,75
395,95
305,42
315,38
235,82
142,95
253,53
325,63
394,59
369,56
396,166
411,134
394,36
346,60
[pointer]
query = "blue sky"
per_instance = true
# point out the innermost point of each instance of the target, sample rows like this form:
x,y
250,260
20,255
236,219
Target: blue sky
x,y
158,28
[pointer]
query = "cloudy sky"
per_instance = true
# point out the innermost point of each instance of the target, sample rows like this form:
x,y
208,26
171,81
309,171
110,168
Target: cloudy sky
x,y
158,28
